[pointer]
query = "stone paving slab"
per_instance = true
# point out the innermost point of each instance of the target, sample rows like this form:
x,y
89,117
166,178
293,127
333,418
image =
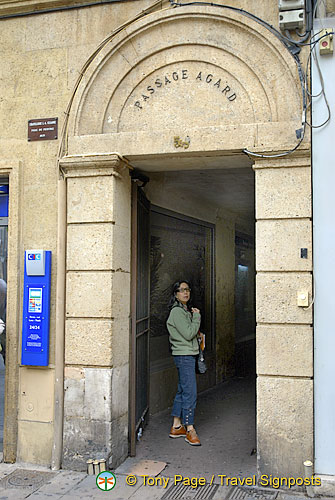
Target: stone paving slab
x,y
71,485
45,495
86,488
95,494
22,482
149,493
16,494
6,469
61,484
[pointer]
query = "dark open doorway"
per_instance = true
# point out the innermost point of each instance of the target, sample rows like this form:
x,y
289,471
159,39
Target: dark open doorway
x,y
209,215
181,248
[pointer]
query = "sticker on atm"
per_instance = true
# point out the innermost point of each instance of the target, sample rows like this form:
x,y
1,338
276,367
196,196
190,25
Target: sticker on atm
x,y
34,256
35,300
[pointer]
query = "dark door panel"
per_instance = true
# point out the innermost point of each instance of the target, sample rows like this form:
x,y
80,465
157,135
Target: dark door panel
x,y
140,292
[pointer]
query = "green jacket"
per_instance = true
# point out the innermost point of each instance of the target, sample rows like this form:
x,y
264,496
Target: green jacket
x,y
183,329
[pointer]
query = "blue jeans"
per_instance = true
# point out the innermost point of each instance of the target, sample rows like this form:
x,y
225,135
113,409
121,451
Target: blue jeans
x,y
186,398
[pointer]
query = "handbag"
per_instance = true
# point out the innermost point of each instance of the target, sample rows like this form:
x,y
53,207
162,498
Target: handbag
x,y
201,364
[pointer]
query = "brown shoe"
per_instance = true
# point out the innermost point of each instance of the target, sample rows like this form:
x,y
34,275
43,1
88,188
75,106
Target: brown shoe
x,y
192,438
177,432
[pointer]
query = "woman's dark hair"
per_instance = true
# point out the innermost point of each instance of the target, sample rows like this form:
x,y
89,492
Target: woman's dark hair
x,y
175,289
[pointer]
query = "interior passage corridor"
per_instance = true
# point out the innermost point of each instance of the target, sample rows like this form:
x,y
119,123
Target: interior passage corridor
x,y
226,424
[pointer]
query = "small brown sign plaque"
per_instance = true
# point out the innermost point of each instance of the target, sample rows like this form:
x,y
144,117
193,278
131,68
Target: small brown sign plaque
x,y
43,129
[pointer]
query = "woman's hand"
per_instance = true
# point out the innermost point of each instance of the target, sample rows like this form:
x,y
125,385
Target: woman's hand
x,y
201,340
195,310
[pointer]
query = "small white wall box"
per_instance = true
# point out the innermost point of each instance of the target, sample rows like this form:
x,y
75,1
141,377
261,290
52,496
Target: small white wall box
x,y
326,45
291,19
291,4
302,298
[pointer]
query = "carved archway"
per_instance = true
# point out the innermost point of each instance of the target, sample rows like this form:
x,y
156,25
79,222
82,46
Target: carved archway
x,y
189,68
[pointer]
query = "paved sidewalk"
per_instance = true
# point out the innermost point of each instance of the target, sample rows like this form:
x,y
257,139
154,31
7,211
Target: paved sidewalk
x,y
19,481
226,412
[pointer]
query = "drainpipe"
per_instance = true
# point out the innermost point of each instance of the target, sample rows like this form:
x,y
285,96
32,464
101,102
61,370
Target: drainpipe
x,y
57,448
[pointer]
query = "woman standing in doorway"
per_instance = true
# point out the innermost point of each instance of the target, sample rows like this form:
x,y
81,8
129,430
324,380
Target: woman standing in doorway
x,y
183,325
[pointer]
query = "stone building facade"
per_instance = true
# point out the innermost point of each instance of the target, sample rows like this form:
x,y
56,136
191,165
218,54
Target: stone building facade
x,y
180,94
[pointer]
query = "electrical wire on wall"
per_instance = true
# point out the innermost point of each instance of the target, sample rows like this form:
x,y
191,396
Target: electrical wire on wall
x,y
322,91
294,47
314,41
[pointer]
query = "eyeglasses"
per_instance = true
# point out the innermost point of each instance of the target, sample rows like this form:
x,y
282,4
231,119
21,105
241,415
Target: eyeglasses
x,y
181,290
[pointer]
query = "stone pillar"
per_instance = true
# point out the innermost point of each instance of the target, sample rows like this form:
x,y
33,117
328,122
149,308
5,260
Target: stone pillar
x,y
284,330
97,310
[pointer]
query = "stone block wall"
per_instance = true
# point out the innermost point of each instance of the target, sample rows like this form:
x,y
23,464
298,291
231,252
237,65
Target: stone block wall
x,y
97,313
284,332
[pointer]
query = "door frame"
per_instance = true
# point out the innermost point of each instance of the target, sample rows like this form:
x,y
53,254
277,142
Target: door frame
x,y
11,170
133,423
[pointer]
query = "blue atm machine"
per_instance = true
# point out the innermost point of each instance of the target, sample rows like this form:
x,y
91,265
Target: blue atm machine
x,y
36,308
